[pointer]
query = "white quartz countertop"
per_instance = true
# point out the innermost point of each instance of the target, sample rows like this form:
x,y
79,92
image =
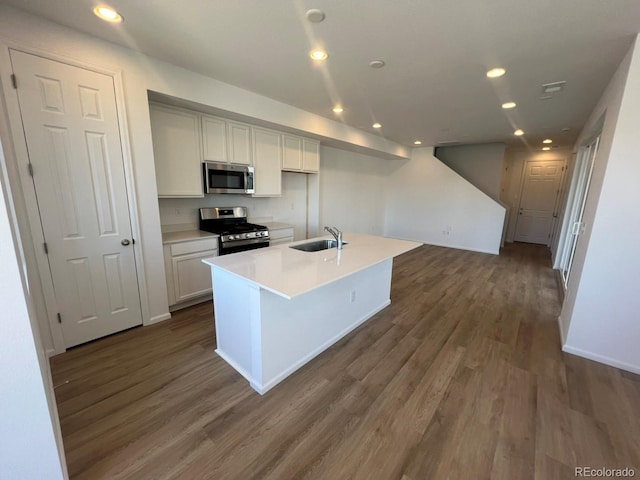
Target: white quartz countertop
x,y
289,273
185,236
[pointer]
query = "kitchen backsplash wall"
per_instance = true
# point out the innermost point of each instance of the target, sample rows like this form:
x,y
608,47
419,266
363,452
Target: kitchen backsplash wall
x,y
290,208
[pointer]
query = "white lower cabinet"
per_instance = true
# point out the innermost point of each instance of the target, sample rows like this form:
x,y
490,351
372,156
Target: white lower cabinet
x,y
279,236
188,279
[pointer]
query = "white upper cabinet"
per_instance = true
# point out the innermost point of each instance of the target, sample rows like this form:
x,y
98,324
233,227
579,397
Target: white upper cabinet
x,y
292,153
239,143
183,139
310,156
267,162
214,139
225,141
300,154
176,150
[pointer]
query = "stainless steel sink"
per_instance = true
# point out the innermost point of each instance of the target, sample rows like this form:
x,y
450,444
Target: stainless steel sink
x,y
317,245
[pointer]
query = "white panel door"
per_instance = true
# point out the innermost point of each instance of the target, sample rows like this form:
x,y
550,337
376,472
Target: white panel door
x,y
73,139
538,200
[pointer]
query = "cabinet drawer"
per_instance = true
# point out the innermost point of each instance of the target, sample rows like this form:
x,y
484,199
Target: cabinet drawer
x,y
194,246
281,233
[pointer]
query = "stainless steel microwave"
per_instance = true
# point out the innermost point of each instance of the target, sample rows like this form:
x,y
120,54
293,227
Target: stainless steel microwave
x,y
224,178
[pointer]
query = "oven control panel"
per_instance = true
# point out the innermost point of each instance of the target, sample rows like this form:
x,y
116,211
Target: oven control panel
x,y
264,234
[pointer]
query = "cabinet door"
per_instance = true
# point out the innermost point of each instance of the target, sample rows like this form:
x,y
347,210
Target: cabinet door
x,y
267,162
239,141
176,150
214,139
292,153
310,156
191,277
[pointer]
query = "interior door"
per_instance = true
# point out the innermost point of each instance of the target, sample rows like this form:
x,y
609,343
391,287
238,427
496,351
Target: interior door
x,y
73,139
538,200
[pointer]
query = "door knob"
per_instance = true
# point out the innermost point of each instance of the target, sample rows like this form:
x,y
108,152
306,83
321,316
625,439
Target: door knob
x,y
125,242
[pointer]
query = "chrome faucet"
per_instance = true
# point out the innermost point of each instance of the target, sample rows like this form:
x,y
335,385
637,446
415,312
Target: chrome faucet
x,y
337,234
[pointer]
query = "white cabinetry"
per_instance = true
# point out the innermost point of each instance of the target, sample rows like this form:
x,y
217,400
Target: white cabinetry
x,y
225,141
214,139
183,139
310,156
267,162
188,279
300,154
278,236
176,150
239,143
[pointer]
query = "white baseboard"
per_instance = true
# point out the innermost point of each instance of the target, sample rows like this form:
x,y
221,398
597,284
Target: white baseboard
x,y
601,359
560,326
158,318
238,369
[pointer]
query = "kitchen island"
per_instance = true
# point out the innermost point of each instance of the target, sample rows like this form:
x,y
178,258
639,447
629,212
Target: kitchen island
x,y
277,308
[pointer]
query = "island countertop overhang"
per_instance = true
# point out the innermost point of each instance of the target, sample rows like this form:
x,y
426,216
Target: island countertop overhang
x,y
290,273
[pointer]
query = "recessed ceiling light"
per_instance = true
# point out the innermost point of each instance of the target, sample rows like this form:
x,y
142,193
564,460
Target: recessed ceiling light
x,y
318,55
338,109
546,148
547,140
107,13
417,142
496,72
376,64
509,105
518,132
315,16
376,125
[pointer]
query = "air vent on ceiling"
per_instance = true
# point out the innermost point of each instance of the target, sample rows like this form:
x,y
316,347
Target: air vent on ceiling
x,y
551,88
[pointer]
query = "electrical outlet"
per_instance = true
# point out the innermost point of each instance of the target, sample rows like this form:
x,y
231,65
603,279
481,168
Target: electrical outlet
x,y
353,296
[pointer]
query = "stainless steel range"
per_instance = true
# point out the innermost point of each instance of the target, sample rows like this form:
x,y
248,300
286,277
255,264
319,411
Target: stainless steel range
x,y
236,234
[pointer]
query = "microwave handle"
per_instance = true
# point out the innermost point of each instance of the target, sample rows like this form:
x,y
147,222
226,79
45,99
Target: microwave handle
x,y
249,180
205,177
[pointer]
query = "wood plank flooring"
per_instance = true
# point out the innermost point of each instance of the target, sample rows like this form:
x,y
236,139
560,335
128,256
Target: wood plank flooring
x,y
461,377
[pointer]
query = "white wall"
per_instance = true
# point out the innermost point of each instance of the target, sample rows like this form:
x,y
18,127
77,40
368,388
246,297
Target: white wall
x,y
141,74
290,208
29,429
481,165
428,202
353,191
601,311
421,199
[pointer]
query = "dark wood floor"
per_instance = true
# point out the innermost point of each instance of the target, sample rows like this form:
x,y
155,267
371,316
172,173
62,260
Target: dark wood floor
x,y
461,377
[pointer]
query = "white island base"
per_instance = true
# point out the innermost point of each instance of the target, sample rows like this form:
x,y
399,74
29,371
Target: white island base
x,y
266,330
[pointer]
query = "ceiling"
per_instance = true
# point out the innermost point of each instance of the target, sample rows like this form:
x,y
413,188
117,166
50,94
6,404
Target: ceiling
x,y
433,87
